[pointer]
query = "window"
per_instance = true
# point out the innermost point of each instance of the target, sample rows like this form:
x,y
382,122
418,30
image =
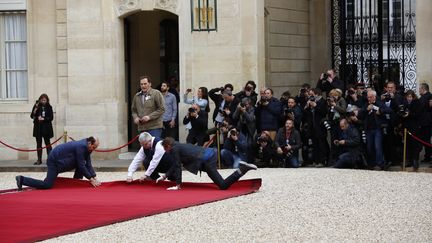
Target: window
x,y
204,15
13,56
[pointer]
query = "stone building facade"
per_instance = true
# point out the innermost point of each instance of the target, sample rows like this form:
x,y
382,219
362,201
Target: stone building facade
x,y
87,56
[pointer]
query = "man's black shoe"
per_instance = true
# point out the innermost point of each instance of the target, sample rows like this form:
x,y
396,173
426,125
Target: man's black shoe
x,y
245,167
19,181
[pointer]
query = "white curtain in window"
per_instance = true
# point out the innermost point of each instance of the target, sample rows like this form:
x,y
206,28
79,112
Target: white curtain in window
x,y
15,51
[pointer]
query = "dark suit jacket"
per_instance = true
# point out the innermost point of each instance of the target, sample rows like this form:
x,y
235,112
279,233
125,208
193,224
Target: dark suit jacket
x,y
72,155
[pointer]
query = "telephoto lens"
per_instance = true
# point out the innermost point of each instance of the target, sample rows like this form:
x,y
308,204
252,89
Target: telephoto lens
x,y
363,134
327,125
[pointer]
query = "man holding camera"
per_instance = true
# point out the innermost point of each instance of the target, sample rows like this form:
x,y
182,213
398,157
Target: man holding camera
x,y
235,149
244,116
315,112
216,95
264,149
329,81
349,147
198,120
288,143
268,111
373,115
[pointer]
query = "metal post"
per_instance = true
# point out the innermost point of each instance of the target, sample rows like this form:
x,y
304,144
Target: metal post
x,y
218,147
404,150
65,136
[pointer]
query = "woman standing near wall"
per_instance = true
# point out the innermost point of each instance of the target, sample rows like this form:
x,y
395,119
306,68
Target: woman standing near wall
x,y
42,115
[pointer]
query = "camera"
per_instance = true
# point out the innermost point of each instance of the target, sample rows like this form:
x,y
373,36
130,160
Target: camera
x,y
387,96
327,124
325,76
303,90
330,100
191,110
188,90
402,111
242,105
288,153
262,139
351,92
312,99
233,132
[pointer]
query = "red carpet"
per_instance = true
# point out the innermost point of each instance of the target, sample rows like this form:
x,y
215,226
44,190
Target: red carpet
x,y
73,205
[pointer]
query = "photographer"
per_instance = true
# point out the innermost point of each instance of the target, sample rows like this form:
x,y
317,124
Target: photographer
x,y
198,119
336,106
244,116
235,149
263,149
216,95
349,147
329,81
356,95
410,112
314,113
302,96
248,92
268,111
288,143
292,111
373,116
391,100
426,120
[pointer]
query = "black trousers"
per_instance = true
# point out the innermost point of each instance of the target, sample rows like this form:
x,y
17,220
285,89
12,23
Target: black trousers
x,y
425,135
210,167
163,166
167,131
39,145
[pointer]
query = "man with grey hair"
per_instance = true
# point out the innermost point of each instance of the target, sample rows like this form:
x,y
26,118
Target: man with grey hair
x,y
152,155
373,116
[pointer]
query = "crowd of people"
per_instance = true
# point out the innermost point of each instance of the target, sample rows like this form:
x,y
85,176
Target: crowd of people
x,y
324,125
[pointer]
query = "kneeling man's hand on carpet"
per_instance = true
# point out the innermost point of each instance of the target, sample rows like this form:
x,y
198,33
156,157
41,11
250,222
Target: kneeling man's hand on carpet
x,y
144,178
161,178
174,188
129,179
95,182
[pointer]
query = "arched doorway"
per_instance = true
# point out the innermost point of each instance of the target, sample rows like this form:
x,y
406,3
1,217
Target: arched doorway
x,y
151,48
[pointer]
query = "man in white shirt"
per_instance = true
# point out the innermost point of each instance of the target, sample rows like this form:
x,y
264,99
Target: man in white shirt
x,y
152,155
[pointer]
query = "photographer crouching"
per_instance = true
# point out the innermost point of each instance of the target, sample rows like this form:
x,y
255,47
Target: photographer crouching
x,y
288,143
235,149
349,146
264,149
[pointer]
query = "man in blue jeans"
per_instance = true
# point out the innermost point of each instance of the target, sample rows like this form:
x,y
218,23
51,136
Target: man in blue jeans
x,y
196,158
66,157
235,149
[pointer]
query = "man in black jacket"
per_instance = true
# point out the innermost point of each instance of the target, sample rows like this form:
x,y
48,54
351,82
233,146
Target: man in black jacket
x,y
426,119
349,147
197,158
198,120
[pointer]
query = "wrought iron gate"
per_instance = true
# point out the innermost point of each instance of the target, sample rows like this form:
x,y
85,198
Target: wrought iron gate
x,y
374,41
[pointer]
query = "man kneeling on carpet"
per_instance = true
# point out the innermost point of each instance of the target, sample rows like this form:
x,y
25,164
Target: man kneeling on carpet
x,y
152,155
196,158
66,157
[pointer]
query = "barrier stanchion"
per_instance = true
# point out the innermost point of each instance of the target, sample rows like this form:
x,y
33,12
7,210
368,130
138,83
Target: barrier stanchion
x,y
404,150
65,136
218,147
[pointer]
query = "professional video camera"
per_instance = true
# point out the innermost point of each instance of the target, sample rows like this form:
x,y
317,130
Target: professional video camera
x,y
402,111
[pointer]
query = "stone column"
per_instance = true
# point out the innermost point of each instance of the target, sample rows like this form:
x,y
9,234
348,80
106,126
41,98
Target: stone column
x,y
424,41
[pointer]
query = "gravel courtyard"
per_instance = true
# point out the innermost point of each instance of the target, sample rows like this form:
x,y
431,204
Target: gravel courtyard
x,y
292,205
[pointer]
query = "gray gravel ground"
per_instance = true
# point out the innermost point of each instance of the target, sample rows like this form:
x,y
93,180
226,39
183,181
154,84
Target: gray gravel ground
x,y
292,205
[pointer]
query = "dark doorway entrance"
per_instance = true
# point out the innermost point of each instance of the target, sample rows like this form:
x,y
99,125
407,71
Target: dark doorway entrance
x,y
151,48
374,41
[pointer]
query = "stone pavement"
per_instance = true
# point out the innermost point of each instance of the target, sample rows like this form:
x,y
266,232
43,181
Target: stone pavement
x,y
121,165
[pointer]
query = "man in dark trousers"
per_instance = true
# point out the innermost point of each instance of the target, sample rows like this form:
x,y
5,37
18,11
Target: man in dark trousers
x,y
152,155
196,158
66,157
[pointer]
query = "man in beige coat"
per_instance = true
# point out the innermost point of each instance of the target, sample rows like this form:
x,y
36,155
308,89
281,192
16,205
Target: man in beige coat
x,y
148,107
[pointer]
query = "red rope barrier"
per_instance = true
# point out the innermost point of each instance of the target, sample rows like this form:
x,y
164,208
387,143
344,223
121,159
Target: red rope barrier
x,y
31,150
419,140
206,145
114,149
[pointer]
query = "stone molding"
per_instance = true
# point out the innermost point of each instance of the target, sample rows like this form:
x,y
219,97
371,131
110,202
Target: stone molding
x,y
127,7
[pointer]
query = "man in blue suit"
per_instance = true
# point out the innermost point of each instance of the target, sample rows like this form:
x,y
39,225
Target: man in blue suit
x,y
66,157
